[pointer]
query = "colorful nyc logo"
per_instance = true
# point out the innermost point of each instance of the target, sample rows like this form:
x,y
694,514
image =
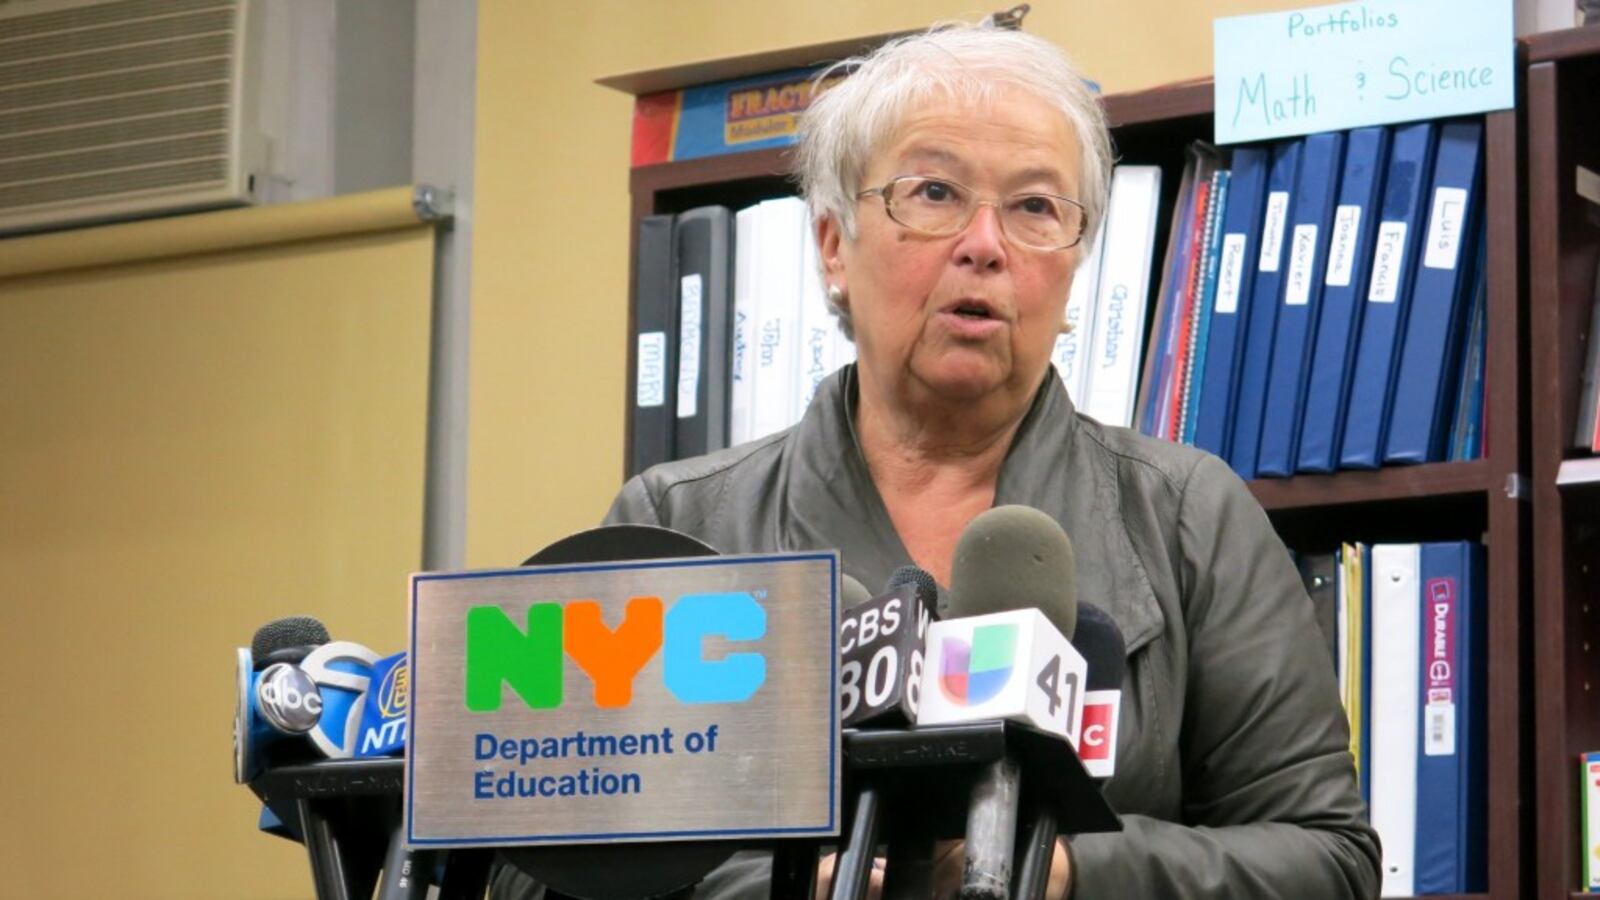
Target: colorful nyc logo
x,y
976,672
530,660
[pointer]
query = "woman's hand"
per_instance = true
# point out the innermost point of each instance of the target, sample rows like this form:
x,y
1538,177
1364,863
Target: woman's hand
x,y
950,857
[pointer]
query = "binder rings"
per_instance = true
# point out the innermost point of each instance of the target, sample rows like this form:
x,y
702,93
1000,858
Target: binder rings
x,y
1451,801
1396,676
655,345
1256,359
705,270
1338,323
1241,245
1440,294
1124,292
1312,214
1388,294
741,404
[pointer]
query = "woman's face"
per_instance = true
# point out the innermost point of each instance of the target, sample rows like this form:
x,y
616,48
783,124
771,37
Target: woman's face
x,y
973,314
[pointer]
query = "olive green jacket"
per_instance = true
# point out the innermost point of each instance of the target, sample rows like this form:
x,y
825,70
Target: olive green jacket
x,y
1234,775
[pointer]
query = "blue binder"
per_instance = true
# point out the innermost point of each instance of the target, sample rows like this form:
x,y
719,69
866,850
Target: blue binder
x,y
1256,357
1419,419
1315,194
1466,430
1241,245
1395,248
1338,324
1451,803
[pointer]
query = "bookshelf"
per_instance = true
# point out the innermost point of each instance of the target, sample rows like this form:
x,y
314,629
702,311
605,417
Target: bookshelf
x,y
1484,498
1563,244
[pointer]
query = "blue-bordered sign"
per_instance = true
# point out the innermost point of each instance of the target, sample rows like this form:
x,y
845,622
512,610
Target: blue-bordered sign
x,y
660,700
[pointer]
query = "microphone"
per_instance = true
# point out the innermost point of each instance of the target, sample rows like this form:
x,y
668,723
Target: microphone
x,y
1101,643
880,649
287,640
1013,609
341,671
383,714
274,698
852,593
1013,588
297,682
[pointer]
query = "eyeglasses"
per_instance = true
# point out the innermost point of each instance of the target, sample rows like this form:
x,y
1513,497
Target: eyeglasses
x,y
937,207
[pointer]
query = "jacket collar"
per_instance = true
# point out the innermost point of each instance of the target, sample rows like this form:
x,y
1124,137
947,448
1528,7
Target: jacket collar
x,y
831,500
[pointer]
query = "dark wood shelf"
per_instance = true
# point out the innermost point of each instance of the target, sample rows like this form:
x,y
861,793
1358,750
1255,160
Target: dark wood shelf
x,y
1565,44
1376,486
1562,249
771,163
1160,104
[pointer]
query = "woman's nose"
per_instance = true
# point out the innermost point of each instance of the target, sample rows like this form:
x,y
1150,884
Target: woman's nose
x,y
982,244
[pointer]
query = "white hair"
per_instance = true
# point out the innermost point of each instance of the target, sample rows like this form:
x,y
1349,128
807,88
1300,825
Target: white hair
x,y
849,122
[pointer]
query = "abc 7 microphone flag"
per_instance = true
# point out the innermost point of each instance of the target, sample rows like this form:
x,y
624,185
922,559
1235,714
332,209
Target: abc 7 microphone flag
x,y
340,701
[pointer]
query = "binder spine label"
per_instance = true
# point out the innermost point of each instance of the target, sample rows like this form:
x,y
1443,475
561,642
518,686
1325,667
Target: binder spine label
x,y
1342,248
1439,673
1272,230
1229,268
1388,261
1302,253
689,304
650,386
1444,227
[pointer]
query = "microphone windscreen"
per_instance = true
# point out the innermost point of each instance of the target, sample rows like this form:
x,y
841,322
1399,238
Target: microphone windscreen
x,y
1100,642
852,593
1015,557
290,631
927,588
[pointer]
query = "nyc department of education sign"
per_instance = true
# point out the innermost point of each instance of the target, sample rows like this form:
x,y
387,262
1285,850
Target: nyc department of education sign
x,y
613,702
1331,68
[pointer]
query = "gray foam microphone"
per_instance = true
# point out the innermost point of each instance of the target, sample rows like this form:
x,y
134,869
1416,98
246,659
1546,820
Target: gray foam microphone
x,y
1008,558
852,593
1015,557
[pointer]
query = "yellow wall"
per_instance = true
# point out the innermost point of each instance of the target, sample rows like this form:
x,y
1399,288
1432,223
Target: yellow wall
x,y
190,448
550,280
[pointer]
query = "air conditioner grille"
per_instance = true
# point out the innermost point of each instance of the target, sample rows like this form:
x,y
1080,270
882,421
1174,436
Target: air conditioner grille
x,y
119,59
186,174
123,105
75,42
110,85
120,106
124,156
101,14
65,140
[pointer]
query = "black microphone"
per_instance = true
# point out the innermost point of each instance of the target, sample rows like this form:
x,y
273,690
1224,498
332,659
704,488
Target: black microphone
x,y
880,649
1008,558
1103,648
287,640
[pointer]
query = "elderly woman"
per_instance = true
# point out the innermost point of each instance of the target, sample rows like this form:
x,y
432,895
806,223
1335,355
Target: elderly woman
x,y
954,179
